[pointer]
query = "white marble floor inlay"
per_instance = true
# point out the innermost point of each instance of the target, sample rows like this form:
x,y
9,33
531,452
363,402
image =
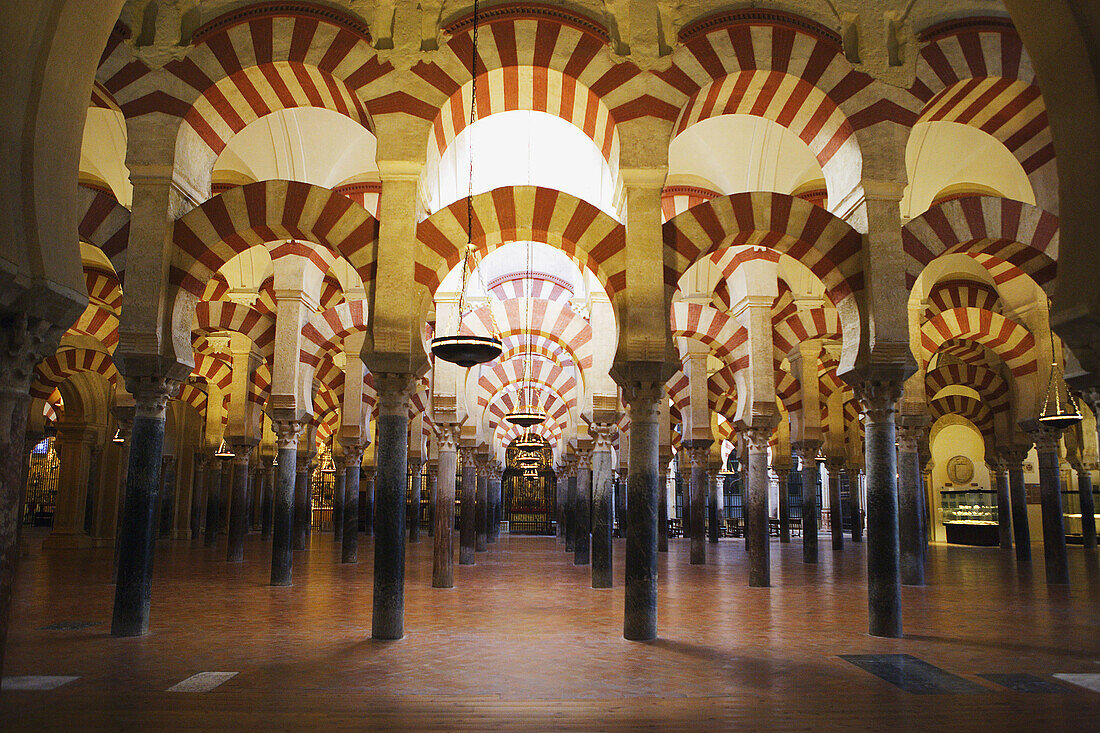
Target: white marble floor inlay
x,y
36,682
1090,681
202,682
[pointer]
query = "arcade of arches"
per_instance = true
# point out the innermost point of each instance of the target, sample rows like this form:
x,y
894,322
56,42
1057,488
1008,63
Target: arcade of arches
x,y
780,275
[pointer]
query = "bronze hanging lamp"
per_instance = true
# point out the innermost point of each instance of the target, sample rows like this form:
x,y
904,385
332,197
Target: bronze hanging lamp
x,y
527,414
1060,410
224,451
468,350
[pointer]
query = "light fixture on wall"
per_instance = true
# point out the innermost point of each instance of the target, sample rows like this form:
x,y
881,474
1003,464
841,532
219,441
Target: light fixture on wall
x,y
468,350
223,450
118,436
1060,410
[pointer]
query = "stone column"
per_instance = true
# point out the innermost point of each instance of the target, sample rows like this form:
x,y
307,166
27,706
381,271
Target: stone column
x,y
571,505
392,457
560,493
139,521
910,429
883,554
857,504
640,595
414,521
443,512
807,457
699,456
349,533
339,480
1050,496
662,503
282,525
266,500
432,478
784,475
1088,510
583,509
1013,457
602,510
467,541
238,507
125,427
167,496
198,485
481,506
713,497
1004,504
496,505
367,498
836,518
301,502
756,503
223,477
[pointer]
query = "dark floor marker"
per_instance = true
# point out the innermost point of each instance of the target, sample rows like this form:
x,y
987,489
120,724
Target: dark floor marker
x,y
1025,683
912,674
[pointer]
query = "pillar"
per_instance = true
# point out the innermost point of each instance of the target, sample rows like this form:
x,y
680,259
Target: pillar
x,y
392,456
1013,457
14,402
571,505
198,486
807,458
167,496
713,495
414,520
443,511
467,540
662,503
495,512
836,518
1050,497
282,523
784,475
266,500
857,504
349,534
214,507
756,501
338,483
139,520
560,493
879,400
238,506
1088,510
481,506
301,502
583,509
602,509
699,456
366,496
910,499
433,471
1004,505
640,593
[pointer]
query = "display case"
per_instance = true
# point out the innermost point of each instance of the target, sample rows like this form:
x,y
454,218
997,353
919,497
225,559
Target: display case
x,y
1071,510
969,516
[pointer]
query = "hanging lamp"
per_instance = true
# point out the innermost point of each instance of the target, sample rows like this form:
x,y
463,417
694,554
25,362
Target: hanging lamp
x,y
1060,410
328,465
118,436
528,441
223,450
527,414
468,350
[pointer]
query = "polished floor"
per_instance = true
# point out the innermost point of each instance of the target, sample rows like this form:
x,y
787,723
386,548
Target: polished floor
x,y
523,642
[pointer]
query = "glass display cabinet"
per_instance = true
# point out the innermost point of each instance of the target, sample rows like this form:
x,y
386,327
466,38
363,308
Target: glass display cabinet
x,y
1071,511
969,516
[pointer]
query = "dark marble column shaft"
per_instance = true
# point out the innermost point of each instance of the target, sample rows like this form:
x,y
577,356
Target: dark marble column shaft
x,y
432,489
139,520
856,502
443,519
583,509
414,507
238,507
388,621
602,508
883,550
367,498
756,504
640,592
1088,510
1021,533
198,487
301,504
811,513
571,508
267,501
1050,497
167,496
698,455
467,540
282,524
223,472
349,533
836,508
481,537
496,513
14,402
713,497
339,481
662,505
1004,507
910,504
784,475
560,493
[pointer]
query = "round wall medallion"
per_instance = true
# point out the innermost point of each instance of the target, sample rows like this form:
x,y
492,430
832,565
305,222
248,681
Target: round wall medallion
x,y
960,470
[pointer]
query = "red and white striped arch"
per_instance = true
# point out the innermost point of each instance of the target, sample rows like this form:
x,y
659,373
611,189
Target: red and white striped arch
x,y
192,395
540,285
724,336
948,294
367,194
505,433
100,319
1007,339
247,216
553,320
970,352
524,213
327,329
105,223
989,384
793,325
214,370
55,369
1013,232
103,289
678,199
508,377
964,406
258,326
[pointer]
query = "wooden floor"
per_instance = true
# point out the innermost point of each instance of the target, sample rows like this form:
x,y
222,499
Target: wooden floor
x,y
523,642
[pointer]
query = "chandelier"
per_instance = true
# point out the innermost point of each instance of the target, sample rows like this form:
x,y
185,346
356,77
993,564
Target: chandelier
x,y
468,350
527,414
224,450
1060,410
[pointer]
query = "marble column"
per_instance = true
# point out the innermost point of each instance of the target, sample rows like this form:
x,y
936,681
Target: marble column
x,y
224,476
662,504
571,506
756,503
602,509
467,540
394,390
282,524
640,593
698,455
1004,504
125,427
167,496
856,502
266,498
909,430
879,400
443,511
784,475
682,487
339,480
582,511
811,514
495,513
414,521
301,503
1088,510
481,505
560,493
238,507
432,478
713,497
619,484
1013,457
139,520
349,533
1050,497
198,486
367,498
14,402
836,509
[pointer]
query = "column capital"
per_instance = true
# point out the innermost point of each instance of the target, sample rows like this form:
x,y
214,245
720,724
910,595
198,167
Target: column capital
x,y
584,458
879,398
394,390
1013,455
1045,438
698,454
911,431
642,400
447,436
415,463
758,437
782,473
151,393
468,454
287,432
806,450
603,433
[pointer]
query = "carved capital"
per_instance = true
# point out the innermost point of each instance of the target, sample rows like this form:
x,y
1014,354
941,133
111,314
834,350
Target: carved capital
x,y
1013,455
879,399
758,437
287,433
584,458
698,456
807,449
394,390
1046,439
151,393
643,400
447,437
468,454
603,433
24,342
909,438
